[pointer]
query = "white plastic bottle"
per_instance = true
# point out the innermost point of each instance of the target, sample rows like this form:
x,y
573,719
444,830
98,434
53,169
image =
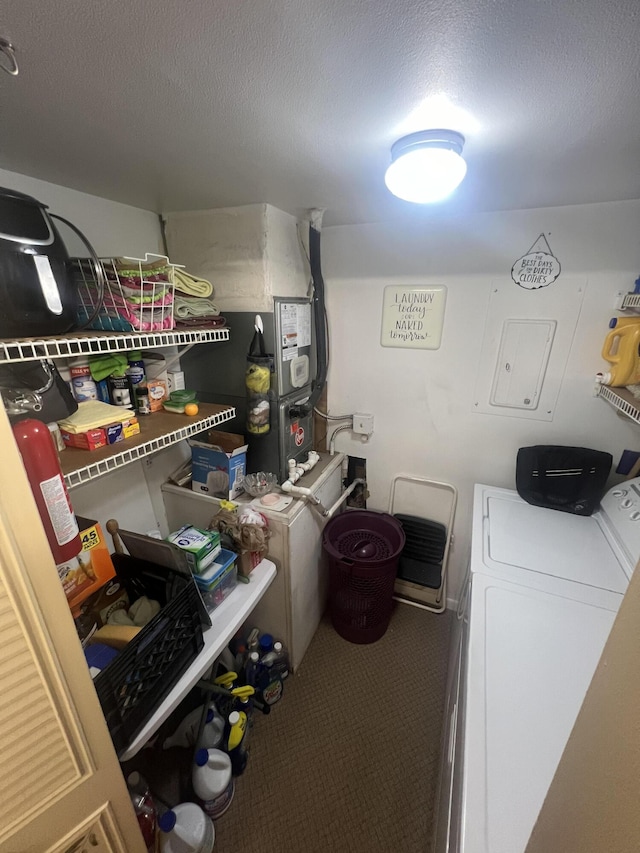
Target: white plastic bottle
x,y
213,782
187,731
281,663
212,732
186,829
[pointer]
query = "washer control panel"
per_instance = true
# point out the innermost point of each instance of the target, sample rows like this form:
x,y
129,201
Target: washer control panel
x,y
621,504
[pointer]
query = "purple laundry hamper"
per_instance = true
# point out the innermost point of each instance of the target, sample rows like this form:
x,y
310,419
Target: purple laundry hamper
x,y
363,549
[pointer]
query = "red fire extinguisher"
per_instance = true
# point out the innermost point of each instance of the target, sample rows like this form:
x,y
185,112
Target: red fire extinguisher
x,y
40,460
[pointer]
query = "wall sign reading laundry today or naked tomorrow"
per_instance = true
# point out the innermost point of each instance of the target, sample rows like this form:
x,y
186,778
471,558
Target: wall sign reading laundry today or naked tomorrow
x,y
412,316
538,268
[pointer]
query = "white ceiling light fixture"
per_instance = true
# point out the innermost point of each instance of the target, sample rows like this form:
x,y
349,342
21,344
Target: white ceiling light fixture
x,y
426,166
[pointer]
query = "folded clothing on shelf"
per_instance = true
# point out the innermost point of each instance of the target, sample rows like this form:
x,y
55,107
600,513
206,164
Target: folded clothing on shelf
x,y
130,272
151,317
194,306
147,294
192,285
200,322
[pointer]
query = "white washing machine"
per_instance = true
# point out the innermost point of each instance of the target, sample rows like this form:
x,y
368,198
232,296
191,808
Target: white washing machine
x,y
544,588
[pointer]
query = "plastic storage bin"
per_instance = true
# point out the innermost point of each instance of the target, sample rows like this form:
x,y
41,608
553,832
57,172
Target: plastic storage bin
x,y
132,685
219,580
363,548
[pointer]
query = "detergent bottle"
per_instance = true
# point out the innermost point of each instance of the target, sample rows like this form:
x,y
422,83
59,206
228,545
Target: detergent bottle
x,y
622,350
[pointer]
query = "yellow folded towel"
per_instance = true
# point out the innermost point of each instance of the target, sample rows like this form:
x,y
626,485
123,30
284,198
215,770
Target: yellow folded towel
x,y
191,284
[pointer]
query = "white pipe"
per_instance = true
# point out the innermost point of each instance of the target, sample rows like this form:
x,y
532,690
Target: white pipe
x,y
357,482
308,495
299,491
298,469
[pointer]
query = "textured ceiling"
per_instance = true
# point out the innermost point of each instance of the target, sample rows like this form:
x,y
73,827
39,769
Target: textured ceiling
x,y
188,104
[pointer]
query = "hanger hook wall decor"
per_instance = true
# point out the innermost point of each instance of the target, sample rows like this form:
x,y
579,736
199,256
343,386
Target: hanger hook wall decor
x,y
8,52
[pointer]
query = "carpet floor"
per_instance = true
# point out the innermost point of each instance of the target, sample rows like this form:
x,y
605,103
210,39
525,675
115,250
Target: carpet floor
x,y
348,759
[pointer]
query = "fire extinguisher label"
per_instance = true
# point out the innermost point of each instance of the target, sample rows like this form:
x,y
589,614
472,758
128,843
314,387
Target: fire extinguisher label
x,y
62,518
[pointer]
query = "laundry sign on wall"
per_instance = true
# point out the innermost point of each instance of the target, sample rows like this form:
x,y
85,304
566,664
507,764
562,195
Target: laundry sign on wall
x,y
538,268
412,316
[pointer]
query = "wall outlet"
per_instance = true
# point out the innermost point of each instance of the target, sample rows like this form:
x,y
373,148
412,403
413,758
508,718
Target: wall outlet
x,y
363,424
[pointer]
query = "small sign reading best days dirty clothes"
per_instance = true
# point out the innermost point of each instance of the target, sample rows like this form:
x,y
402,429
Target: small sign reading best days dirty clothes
x,y
412,316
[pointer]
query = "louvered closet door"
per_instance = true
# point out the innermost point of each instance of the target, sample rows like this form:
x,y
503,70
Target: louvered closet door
x,y
61,789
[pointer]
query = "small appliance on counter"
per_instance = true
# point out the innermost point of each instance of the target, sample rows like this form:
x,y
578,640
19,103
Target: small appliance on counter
x,y
38,291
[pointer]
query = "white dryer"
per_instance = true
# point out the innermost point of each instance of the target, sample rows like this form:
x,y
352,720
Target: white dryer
x,y
544,588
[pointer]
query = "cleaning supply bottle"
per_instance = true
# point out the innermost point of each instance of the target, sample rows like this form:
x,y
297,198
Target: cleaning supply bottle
x,y
622,350
213,782
212,732
252,641
187,732
251,669
265,644
270,687
241,656
144,808
281,662
237,741
186,829
243,701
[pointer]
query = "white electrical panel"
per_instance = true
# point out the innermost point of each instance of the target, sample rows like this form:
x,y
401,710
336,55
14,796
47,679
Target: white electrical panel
x,y
522,362
526,344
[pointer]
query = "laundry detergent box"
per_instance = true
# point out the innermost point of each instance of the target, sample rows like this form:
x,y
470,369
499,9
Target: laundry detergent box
x,y
200,546
219,464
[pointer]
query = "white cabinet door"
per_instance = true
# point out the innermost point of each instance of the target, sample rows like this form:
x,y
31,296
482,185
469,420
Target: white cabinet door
x,y
61,786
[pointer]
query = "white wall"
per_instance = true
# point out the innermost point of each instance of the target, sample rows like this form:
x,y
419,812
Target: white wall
x,y
249,253
113,229
423,400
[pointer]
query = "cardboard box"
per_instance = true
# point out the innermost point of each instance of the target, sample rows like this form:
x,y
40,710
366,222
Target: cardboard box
x,y
200,546
92,439
94,612
120,431
91,570
219,465
157,389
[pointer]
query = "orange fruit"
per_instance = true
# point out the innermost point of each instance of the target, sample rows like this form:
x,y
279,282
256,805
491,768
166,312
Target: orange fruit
x,y
191,409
